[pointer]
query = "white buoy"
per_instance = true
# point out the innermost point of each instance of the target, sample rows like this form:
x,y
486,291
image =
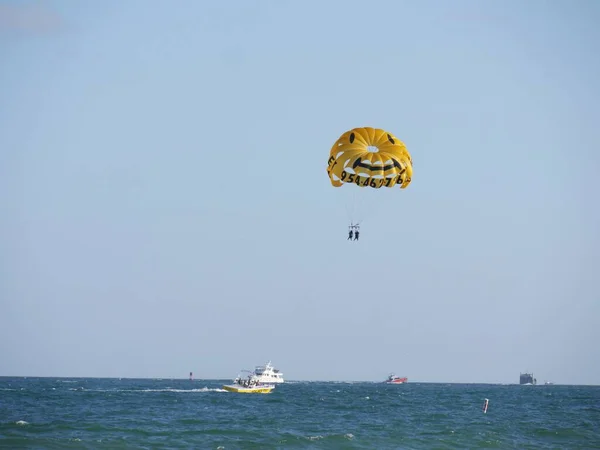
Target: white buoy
x,y
485,405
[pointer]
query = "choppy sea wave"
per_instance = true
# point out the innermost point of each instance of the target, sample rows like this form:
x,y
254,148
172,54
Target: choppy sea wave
x,y
114,413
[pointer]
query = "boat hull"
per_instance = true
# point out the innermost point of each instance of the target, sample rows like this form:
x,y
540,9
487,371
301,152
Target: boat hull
x,y
397,381
248,390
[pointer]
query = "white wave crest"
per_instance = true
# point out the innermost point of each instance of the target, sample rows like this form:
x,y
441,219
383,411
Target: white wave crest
x,y
204,389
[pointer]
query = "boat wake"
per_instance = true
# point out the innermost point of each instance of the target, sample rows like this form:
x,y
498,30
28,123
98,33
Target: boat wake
x,y
204,389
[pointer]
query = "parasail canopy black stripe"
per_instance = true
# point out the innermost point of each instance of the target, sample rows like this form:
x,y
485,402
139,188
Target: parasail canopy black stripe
x,y
376,168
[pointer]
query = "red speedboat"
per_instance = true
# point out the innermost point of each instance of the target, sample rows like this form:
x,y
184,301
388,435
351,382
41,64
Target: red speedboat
x,y
393,379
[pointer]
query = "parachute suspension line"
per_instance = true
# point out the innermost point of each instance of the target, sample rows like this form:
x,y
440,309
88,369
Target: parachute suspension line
x,y
351,208
354,212
349,211
354,208
358,203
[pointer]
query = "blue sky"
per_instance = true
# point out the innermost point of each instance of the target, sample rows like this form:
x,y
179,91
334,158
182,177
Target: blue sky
x,y
166,207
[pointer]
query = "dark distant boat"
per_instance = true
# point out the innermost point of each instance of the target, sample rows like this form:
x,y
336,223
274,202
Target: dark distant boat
x,y
527,378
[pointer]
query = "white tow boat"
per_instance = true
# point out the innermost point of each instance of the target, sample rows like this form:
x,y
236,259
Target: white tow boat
x,y
268,374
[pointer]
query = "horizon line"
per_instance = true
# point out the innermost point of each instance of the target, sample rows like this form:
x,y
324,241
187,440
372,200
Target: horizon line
x,y
291,380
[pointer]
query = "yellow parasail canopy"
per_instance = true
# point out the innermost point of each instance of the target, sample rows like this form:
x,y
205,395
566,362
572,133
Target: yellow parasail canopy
x,y
369,157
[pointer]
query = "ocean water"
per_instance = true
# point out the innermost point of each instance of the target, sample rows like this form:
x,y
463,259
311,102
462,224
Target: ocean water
x,y
48,413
